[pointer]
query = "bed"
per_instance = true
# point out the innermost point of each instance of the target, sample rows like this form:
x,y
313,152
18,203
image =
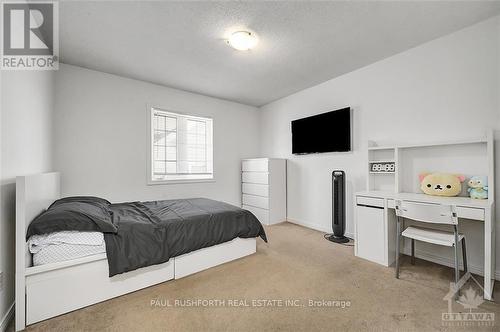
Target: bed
x,y
89,278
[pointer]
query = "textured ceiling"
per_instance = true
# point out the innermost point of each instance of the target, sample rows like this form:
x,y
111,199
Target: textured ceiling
x,y
181,44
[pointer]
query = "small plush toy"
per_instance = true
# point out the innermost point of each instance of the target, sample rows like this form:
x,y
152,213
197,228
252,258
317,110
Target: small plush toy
x,y
478,187
441,184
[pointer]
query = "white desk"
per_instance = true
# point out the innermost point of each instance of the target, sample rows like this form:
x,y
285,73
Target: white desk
x,y
375,230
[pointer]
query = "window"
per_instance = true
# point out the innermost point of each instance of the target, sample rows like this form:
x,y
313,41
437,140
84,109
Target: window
x,y
181,147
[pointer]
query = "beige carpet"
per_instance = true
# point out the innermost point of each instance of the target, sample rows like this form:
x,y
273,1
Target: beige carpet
x,y
297,265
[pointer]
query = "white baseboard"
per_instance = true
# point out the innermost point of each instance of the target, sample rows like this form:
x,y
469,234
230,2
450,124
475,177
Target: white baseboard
x,y
317,227
7,318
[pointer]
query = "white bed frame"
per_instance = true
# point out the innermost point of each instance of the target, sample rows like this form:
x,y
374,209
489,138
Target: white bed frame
x,y
50,290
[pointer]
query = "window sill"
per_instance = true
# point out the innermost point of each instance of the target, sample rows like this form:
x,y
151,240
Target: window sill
x,y
180,181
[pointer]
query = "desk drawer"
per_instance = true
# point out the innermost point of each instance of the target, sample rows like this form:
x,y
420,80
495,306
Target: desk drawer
x,y
370,201
470,213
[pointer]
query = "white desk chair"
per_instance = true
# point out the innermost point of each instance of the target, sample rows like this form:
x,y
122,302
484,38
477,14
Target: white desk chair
x,y
433,214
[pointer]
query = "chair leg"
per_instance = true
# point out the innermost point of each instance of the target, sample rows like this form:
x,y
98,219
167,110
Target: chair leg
x,y
457,273
398,232
464,254
413,251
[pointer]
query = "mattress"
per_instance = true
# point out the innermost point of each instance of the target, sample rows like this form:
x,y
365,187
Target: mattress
x,y
63,246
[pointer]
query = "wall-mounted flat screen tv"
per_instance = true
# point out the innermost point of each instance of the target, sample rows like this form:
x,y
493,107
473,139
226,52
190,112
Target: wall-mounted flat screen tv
x,y
326,132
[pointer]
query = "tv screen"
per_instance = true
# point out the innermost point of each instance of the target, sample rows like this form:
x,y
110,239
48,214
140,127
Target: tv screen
x,y
326,132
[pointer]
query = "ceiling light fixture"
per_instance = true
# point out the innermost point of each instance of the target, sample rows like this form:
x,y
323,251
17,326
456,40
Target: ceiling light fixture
x,y
242,40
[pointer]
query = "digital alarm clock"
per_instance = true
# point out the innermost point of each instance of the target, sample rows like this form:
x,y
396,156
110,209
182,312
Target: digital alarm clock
x,y
383,167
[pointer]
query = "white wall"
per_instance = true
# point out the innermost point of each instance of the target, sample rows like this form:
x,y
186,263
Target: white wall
x,y
26,148
448,88
445,89
101,139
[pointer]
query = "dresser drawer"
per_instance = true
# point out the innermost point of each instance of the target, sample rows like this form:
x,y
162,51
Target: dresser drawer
x,y
257,201
254,165
255,189
261,214
255,177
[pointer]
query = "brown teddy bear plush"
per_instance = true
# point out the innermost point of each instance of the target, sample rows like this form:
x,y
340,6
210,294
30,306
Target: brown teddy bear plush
x,y
441,184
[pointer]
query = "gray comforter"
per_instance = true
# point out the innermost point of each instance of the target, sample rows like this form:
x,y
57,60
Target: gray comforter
x,y
152,232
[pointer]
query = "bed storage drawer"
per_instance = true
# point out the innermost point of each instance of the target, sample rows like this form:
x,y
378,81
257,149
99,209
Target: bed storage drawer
x,y
202,259
255,177
255,165
55,292
255,189
261,214
257,201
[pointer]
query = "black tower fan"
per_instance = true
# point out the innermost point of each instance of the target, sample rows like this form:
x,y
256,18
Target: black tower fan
x,y
338,207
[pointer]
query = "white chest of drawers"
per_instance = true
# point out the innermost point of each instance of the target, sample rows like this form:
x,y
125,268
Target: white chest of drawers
x,y
263,188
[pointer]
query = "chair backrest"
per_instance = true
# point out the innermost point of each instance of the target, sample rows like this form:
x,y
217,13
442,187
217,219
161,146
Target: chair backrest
x,y
427,212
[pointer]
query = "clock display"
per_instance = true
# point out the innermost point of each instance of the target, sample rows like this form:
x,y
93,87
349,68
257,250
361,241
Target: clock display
x,y
383,167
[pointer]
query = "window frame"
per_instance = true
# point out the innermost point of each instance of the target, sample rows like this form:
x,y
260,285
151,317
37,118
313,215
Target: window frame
x,y
150,142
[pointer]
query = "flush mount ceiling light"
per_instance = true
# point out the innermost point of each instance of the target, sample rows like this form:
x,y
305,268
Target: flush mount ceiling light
x,y
242,40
